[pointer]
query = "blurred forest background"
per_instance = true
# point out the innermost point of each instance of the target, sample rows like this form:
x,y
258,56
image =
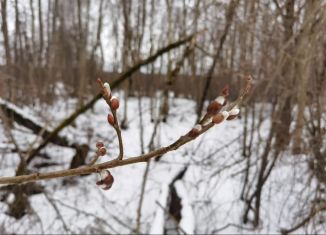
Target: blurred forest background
x,y
54,50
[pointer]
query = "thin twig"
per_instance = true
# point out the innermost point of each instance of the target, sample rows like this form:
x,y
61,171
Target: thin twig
x,y
118,131
237,102
106,165
116,125
94,159
314,211
113,163
103,221
124,76
57,211
141,198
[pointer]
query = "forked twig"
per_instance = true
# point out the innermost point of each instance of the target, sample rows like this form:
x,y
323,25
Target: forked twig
x,y
198,130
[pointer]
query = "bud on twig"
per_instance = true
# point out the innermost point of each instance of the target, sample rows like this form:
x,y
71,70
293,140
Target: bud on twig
x,y
99,145
195,131
108,88
225,91
102,151
106,180
233,113
114,103
215,107
111,119
220,117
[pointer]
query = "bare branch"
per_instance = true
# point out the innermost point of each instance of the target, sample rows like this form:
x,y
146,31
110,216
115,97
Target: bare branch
x,y
124,76
107,165
191,135
116,126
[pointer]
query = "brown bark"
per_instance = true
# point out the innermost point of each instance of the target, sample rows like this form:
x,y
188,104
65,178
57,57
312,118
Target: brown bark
x,y
304,55
286,80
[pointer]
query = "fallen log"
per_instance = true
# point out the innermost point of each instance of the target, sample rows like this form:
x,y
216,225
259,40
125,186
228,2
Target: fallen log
x,y
15,114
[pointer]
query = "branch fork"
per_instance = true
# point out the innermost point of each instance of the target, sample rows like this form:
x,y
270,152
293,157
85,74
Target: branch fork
x,y
207,122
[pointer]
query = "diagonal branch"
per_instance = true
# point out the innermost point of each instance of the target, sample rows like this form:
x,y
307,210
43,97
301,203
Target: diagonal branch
x,y
314,211
106,165
124,76
191,135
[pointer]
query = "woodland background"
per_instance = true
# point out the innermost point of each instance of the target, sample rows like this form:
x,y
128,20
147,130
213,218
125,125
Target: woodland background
x,y
52,52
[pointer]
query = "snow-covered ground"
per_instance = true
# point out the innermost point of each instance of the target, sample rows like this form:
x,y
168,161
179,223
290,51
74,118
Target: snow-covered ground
x,y
210,188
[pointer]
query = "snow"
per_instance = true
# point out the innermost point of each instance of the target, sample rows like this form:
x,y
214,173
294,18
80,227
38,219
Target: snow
x,y
158,222
210,189
187,222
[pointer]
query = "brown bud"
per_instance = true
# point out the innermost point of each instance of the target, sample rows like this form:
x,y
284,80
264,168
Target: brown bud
x,y
102,151
225,91
114,103
99,145
195,131
213,108
111,119
107,180
218,118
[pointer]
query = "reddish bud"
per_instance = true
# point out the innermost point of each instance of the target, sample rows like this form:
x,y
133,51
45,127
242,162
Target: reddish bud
x,y
195,131
214,107
114,103
102,151
220,117
111,119
106,181
225,91
99,145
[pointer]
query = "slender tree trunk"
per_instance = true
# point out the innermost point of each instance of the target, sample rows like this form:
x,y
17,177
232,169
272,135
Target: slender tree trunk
x,y
126,52
4,29
304,51
286,80
229,17
40,21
